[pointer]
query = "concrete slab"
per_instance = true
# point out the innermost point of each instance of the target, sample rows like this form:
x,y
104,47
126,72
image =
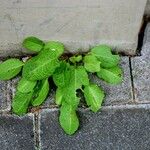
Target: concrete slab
x,y
78,24
16,132
114,128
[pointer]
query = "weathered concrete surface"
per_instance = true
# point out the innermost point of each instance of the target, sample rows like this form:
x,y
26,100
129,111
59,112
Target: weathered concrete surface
x,y
141,71
16,133
78,24
115,94
115,128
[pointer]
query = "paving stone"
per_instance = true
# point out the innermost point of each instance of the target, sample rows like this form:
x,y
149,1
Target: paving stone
x,y
4,96
78,24
146,41
14,83
141,71
12,89
114,128
16,133
50,99
115,94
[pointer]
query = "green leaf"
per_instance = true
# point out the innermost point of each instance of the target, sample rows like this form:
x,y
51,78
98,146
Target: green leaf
x,y
10,68
68,119
61,75
94,96
70,97
40,93
33,44
59,96
67,95
70,75
112,75
41,66
21,102
91,63
56,47
26,86
68,82
75,59
78,77
104,55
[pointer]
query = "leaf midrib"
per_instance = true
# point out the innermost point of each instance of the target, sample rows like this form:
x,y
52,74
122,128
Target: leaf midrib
x,y
41,66
94,97
10,69
111,73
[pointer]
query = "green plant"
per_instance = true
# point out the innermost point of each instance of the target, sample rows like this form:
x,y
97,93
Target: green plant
x,y
68,74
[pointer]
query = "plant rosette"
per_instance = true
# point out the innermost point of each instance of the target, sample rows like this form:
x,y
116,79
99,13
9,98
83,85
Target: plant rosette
x,y
69,75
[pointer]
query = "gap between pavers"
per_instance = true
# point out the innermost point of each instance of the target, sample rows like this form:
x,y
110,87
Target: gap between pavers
x,y
114,127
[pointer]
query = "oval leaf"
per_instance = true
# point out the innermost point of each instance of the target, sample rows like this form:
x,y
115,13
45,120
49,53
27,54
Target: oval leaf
x,y
67,95
21,102
41,66
33,44
10,68
56,47
61,75
78,77
112,75
104,55
71,75
68,119
91,63
41,92
26,86
94,96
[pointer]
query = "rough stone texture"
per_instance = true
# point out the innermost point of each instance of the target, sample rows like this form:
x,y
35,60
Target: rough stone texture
x,y
4,96
147,9
141,71
114,128
16,133
12,89
115,94
14,83
78,24
50,99
121,93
